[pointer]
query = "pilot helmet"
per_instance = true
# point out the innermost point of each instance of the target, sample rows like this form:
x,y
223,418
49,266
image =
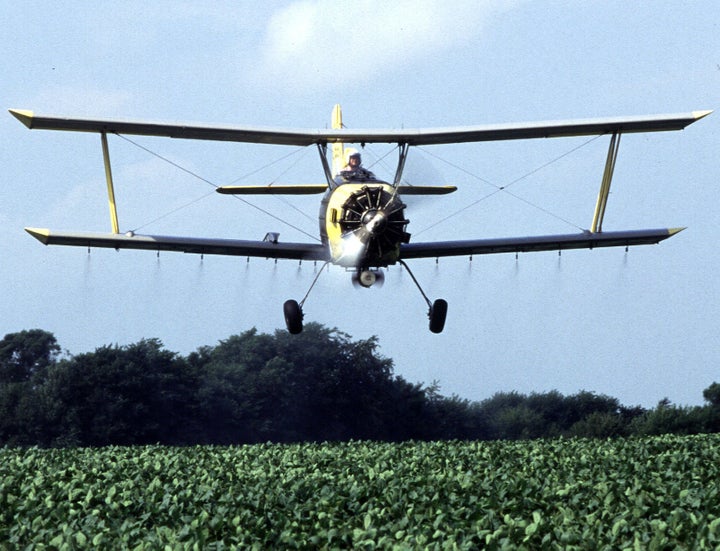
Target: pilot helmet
x,y
353,153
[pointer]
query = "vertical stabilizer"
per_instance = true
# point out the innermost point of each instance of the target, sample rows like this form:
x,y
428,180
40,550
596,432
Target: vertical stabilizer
x,y
338,153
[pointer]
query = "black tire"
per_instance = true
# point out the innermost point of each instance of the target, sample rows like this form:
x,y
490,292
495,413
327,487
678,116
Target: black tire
x,y
437,315
293,317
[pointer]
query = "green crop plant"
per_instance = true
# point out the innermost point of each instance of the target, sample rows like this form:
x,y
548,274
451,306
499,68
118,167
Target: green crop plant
x,y
650,493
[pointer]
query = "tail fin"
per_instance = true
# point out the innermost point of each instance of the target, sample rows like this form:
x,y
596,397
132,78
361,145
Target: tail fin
x,y
338,153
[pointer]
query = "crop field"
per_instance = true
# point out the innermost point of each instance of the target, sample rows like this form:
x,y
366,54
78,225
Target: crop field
x,y
652,493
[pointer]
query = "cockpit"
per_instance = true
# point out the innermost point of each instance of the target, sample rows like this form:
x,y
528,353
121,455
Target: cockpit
x,y
354,176
353,171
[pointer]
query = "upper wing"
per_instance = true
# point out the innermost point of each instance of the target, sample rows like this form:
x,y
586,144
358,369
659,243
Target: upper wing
x,y
584,240
429,136
236,247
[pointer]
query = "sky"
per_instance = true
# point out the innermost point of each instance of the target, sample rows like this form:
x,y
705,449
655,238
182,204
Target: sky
x,y
640,325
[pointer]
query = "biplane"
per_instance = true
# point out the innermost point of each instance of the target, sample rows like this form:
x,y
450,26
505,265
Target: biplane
x,y
363,223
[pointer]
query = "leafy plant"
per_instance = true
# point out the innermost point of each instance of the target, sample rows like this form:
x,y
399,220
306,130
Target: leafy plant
x,y
652,493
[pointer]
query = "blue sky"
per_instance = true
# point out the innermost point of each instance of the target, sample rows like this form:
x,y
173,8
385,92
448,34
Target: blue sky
x,y
639,326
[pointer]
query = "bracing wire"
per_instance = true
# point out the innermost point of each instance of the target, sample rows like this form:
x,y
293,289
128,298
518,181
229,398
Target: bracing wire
x,y
280,197
215,186
504,189
279,159
381,159
170,213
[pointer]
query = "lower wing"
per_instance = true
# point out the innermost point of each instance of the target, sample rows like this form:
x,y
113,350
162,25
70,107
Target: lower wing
x,y
271,248
268,248
584,240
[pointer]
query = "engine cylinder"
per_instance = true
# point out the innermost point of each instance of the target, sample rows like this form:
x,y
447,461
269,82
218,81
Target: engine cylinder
x,y
375,216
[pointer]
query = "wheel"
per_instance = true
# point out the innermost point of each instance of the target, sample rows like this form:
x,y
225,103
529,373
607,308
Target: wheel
x,y
293,316
437,315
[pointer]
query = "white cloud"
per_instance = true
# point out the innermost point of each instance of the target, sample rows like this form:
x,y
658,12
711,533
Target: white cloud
x,y
351,41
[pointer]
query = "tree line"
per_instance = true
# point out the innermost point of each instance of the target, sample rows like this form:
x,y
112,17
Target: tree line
x,y
255,387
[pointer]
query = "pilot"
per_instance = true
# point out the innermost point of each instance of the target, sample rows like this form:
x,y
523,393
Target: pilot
x,y
354,170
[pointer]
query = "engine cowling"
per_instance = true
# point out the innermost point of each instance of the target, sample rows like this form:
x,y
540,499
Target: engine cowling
x,y
373,217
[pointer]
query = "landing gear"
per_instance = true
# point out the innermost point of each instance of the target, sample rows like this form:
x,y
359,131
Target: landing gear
x,y
293,310
437,310
293,316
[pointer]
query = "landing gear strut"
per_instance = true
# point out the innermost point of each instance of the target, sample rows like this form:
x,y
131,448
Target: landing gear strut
x,y
293,310
437,310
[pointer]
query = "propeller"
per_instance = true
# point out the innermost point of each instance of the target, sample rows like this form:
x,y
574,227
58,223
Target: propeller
x,y
373,225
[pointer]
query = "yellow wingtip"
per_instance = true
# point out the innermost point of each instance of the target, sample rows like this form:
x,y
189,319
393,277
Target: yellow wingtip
x,y
40,234
700,114
23,115
673,231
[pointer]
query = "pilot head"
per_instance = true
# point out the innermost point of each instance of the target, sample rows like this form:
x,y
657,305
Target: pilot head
x,y
354,160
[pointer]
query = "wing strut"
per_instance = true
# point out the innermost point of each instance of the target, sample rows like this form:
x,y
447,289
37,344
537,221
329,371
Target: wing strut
x,y
605,185
322,149
403,150
110,187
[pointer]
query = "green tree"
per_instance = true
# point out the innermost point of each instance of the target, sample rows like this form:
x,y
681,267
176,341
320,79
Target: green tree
x,y
318,385
25,358
599,425
712,395
136,394
26,354
668,418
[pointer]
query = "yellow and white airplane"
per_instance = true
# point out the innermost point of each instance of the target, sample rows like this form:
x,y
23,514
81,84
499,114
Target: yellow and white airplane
x,y
362,218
